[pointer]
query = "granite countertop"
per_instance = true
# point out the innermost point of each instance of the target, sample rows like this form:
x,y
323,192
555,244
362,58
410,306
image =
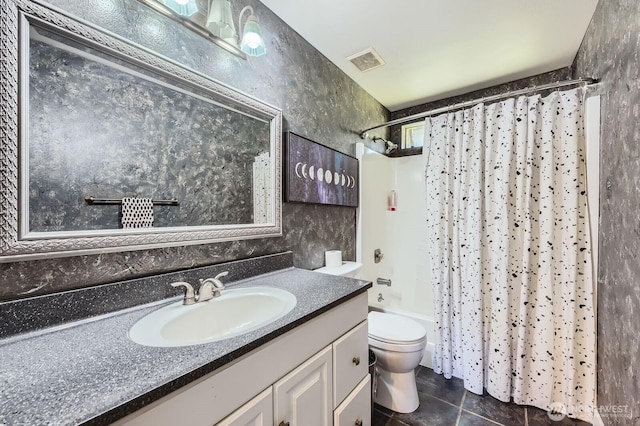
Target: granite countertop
x,y
90,372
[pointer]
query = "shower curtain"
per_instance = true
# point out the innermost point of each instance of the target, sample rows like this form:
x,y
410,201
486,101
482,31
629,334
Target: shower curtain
x,y
509,246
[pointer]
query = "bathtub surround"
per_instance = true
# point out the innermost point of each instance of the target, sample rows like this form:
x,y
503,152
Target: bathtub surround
x,y
509,246
610,52
401,237
317,99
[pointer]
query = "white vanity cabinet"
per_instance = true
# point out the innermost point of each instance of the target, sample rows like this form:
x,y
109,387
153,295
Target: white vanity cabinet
x,y
351,380
315,374
355,410
304,396
257,412
350,361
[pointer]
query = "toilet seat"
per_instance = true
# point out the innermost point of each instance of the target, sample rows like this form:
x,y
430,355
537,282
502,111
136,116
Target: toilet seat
x,y
395,332
397,346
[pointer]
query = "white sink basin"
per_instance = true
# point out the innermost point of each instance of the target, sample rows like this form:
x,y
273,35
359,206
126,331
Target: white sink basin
x,y
235,312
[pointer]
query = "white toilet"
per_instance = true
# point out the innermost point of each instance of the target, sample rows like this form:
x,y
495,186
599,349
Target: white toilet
x,y
398,343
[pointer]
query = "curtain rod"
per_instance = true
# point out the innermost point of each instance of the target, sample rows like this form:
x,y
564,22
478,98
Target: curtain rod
x,y
580,81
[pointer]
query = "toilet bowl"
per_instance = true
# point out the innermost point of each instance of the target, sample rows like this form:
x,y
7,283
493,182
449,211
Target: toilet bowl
x,y
398,343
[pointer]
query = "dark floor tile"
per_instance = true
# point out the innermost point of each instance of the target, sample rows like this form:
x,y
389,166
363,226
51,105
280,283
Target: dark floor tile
x,y
450,390
508,414
382,409
470,419
538,417
381,419
431,412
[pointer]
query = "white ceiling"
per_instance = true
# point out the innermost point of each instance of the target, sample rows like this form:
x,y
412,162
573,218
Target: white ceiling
x,y
434,49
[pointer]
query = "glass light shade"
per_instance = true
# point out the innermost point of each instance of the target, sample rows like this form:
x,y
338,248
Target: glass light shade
x,y
252,41
220,21
182,7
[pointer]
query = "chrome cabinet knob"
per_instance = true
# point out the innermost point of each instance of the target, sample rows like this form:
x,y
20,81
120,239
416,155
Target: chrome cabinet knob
x,y
358,422
283,423
356,360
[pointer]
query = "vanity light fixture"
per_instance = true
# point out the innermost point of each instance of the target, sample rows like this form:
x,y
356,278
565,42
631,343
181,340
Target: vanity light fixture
x,y
214,20
252,42
182,7
220,22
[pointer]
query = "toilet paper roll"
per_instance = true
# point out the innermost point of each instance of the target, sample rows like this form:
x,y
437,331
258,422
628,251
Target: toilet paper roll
x,y
333,258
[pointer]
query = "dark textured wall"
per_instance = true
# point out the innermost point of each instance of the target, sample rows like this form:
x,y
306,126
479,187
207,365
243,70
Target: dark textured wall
x,y
609,52
318,101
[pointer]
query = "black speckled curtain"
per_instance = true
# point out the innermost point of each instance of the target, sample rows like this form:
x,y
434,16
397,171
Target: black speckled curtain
x,y
509,246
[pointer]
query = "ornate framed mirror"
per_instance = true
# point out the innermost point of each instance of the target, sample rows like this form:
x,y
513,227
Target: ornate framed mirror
x,y
89,119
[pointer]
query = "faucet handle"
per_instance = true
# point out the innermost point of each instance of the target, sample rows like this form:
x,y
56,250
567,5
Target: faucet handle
x,y
207,289
189,294
211,287
216,280
221,274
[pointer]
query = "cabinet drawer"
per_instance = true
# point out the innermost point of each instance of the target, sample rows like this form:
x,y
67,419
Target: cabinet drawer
x,y
350,361
355,410
257,412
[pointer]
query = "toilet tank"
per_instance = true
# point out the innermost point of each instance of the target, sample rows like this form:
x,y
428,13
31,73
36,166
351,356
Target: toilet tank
x,y
347,269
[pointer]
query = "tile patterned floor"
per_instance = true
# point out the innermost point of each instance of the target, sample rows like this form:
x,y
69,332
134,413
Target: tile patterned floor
x,y
446,403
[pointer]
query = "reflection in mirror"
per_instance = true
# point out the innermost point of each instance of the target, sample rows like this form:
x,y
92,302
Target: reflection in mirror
x,y
210,18
101,127
94,115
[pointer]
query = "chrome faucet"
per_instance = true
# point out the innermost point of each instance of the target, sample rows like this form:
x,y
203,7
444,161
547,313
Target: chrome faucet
x,y
209,289
189,294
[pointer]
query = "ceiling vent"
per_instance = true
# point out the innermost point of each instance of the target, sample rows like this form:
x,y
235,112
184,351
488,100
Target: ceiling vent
x,y
366,60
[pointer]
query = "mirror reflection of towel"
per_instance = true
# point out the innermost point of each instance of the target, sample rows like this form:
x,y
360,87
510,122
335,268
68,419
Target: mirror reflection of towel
x,y
137,212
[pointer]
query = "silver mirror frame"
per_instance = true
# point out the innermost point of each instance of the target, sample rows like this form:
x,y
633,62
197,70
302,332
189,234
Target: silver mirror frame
x,y
15,14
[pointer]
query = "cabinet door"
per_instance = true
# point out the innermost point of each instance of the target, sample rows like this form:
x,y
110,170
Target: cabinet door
x,y
257,412
303,397
350,361
355,410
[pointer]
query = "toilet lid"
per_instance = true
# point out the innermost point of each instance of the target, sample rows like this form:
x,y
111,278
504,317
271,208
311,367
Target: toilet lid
x,y
394,328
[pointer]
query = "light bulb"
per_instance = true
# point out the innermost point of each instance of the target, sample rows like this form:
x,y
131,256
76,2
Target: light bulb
x,y
182,7
252,40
